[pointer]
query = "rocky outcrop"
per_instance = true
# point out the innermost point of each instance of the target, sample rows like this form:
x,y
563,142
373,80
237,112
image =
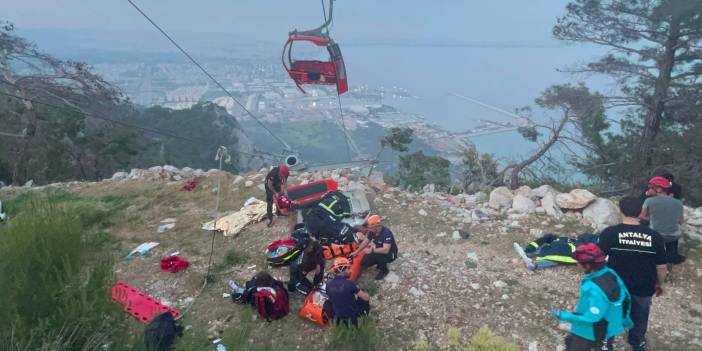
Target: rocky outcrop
x,y
602,213
523,204
577,199
500,198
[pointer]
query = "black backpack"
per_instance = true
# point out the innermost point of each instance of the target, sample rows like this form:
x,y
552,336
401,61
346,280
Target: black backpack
x,y
336,204
161,333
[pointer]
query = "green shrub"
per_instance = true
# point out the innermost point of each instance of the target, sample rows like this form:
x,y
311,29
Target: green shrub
x,y
55,275
485,340
363,337
231,258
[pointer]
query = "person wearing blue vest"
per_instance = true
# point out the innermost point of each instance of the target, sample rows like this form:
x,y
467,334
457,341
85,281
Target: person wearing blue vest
x,y
603,309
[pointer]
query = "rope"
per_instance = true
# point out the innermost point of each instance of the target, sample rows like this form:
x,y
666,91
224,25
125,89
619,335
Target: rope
x,y
285,145
129,125
343,126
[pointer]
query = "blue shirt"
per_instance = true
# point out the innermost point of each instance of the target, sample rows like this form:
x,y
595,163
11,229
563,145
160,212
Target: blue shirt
x,y
385,237
342,295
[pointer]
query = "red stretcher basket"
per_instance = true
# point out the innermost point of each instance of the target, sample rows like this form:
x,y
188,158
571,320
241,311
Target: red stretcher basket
x,y
140,305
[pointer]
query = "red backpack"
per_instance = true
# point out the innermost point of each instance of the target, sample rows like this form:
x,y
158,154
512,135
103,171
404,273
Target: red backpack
x,y
272,303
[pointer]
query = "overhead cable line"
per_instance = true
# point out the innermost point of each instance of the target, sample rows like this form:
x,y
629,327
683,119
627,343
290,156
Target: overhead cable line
x,y
281,141
129,125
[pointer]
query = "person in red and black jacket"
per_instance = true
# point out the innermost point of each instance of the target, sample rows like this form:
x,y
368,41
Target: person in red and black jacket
x,y
276,183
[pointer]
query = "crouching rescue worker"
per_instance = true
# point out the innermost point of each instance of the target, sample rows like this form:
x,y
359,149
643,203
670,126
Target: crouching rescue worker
x,y
603,309
348,301
276,183
311,261
379,245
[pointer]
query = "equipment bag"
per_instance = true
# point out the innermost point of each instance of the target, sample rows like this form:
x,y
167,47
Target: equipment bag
x,y
336,250
161,333
282,252
317,308
272,303
336,204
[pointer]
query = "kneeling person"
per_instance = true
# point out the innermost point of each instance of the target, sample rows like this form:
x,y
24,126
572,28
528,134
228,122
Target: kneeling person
x,y
311,261
347,300
379,245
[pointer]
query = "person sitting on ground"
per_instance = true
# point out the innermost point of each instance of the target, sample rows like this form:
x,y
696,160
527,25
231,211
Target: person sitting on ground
x,y
310,261
602,311
637,253
348,301
666,215
379,245
276,183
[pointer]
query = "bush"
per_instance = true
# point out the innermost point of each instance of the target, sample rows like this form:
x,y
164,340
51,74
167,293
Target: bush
x,y
363,337
55,274
485,340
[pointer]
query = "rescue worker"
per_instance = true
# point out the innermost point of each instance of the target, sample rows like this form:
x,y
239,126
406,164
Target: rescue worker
x,y
348,301
379,245
637,253
310,261
603,309
666,214
276,183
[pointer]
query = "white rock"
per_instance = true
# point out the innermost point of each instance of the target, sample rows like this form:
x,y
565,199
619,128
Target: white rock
x,y
248,184
422,212
499,284
29,183
695,222
500,198
156,169
238,180
392,278
170,169
416,292
472,256
429,188
577,199
474,286
548,202
441,235
559,226
120,176
504,297
541,191
523,204
602,213
187,172
523,190
199,173
533,346
456,235
177,177
540,210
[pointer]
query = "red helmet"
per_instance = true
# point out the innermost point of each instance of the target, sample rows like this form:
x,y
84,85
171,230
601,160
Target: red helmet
x,y
283,170
589,253
660,182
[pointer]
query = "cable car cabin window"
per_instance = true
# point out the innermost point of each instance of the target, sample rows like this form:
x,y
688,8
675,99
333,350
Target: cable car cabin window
x,y
307,51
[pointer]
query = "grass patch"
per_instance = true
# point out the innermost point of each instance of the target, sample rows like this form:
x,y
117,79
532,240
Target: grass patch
x,y
348,338
55,275
231,258
372,287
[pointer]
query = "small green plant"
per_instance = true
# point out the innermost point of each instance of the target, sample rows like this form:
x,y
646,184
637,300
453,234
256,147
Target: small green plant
x,y
454,339
365,336
372,287
231,258
485,340
421,345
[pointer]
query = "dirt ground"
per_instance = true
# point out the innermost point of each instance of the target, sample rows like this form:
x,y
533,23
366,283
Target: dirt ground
x,y
437,282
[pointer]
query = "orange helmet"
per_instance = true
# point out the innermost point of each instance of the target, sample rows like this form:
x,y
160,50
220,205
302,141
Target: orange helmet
x,y
373,220
341,264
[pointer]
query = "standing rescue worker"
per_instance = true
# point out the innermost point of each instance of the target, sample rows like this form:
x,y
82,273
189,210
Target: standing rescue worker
x,y
666,214
379,245
637,253
276,183
603,309
348,301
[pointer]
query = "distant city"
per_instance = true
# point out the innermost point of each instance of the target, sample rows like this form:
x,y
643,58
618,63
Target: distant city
x,y
264,89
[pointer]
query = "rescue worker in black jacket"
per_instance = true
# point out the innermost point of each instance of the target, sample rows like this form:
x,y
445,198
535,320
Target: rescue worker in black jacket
x,y
310,261
276,183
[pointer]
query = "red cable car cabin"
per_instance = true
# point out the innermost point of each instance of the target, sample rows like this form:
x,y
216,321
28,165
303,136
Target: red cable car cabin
x,y
332,72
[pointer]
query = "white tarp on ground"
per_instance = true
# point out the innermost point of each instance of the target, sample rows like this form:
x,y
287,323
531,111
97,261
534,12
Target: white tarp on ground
x,y
233,223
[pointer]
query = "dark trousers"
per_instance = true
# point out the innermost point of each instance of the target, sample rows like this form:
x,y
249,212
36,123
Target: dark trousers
x,y
671,252
269,204
372,259
576,343
299,282
363,310
640,309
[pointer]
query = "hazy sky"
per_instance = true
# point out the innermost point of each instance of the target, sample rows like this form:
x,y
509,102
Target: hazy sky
x,y
521,21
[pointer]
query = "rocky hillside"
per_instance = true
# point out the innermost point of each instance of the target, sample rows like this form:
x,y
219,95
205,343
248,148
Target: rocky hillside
x,y
457,267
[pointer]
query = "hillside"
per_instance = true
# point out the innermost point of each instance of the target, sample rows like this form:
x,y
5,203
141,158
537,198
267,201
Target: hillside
x,y
457,267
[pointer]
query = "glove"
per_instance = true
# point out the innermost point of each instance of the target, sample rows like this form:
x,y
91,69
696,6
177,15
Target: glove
x,y
555,313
